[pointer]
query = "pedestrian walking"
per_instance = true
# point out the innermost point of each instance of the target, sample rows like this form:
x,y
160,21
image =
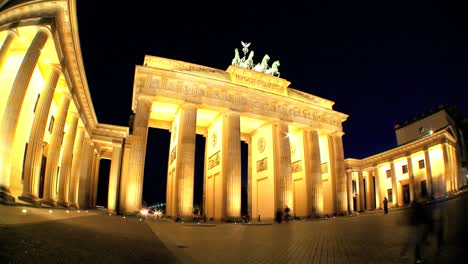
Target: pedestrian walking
x,y
385,205
287,213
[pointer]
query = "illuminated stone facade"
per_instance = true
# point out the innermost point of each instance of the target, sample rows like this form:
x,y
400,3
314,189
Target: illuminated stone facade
x,y
295,141
424,168
50,142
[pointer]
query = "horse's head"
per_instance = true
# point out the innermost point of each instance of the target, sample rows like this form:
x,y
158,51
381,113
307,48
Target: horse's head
x,y
276,64
265,59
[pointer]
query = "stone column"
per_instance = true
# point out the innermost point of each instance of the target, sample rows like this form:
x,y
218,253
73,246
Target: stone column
x,y
9,120
4,50
114,176
378,191
282,165
249,178
411,179
231,168
447,171
186,160
65,168
53,156
395,198
33,160
94,180
338,173
75,171
362,189
313,173
370,192
84,181
125,172
205,175
427,160
349,185
137,155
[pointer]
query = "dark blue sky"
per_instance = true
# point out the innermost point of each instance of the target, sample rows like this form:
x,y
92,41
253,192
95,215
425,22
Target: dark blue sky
x,y
381,62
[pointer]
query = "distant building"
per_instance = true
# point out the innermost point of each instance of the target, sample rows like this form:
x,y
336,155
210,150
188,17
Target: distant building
x,y
430,160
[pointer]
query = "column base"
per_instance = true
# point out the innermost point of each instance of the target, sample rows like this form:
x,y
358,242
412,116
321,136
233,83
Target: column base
x,y
30,199
62,204
48,203
5,196
72,205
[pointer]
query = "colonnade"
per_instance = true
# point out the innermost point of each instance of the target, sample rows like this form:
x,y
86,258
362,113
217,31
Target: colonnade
x,y
57,165
222,172
424,173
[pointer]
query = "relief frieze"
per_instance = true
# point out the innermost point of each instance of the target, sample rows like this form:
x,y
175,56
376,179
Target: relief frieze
x,y
296,166
213,160
172,156
262,164
201,90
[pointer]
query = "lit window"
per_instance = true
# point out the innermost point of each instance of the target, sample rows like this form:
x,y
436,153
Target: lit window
x,y
389,173
422,165
404,169
51,123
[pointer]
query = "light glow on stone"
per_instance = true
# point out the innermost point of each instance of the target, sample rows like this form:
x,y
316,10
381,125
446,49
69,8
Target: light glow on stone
x,y
24,210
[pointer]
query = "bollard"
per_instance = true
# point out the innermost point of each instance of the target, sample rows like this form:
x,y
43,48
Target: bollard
x,y
258,217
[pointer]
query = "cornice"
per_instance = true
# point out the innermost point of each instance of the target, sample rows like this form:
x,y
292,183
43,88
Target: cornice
x,y
67,42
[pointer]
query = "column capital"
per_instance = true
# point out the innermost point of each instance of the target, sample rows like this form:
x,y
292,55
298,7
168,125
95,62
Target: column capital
x,y
116,143
13,32
145,98
47,29
188,106
74,114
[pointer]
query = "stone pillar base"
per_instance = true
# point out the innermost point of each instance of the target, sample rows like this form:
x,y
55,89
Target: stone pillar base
x,y
47,203
73,206
30,199
5,196
62,204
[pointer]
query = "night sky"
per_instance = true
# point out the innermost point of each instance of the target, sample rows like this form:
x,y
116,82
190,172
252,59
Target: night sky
x,y
382,62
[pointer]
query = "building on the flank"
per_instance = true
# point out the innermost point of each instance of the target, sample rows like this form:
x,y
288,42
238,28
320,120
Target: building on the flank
x,y
428,161
50,139
51,142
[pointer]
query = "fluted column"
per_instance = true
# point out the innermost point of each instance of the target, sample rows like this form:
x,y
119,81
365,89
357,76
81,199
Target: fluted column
x,y
137,155
231,167
84,174
427,160
4,50
186,160
33,160
313,173
378,191
65,167
249,177
362,189
9,120
53,156
447,170
395,198
282,160
205,175
114,176
411,179
125,173
349,185
338,173
94,180
369,191
75,171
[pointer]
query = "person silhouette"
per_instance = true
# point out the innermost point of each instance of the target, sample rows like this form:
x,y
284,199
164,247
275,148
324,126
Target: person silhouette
x,y
385,205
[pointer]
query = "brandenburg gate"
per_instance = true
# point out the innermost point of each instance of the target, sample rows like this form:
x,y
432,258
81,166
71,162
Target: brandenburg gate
x,y
295,149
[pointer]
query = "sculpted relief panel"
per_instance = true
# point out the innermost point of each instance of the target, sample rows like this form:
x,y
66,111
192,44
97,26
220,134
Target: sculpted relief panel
x,y
158,86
